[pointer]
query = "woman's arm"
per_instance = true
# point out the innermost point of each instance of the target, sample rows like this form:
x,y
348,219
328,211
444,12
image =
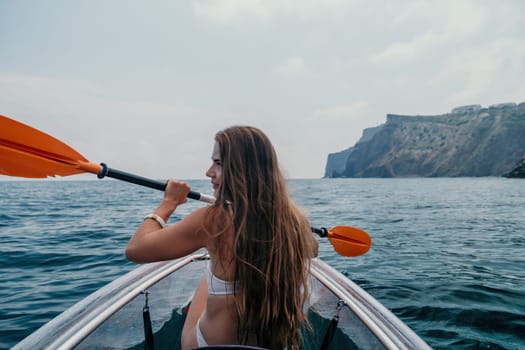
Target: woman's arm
x,y
152,243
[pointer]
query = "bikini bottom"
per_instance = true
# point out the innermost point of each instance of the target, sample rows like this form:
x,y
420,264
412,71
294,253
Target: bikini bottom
x,y
200,337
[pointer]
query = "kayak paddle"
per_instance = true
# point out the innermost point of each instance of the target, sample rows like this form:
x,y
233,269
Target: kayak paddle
x,y
31,153
346,240
28,152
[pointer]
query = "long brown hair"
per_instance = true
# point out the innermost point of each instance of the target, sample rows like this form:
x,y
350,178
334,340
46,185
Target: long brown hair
x,y
272,249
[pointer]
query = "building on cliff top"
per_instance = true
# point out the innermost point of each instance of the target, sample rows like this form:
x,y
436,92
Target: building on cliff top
x,y
466,109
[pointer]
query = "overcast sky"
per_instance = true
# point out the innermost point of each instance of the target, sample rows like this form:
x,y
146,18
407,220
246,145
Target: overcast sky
x,y
144,85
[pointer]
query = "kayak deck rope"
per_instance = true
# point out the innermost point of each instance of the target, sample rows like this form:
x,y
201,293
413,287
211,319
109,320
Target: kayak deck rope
x,y
330,332
148,330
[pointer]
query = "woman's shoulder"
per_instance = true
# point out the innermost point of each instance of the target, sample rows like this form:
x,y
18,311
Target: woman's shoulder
x,y
211,220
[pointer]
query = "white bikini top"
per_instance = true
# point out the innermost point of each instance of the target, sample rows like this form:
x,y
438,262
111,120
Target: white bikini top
x,y
216,286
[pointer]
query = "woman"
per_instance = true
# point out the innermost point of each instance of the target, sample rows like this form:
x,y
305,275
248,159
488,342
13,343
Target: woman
x,y
259,242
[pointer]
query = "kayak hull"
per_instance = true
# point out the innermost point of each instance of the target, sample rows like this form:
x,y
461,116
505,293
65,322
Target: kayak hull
x,y
113,316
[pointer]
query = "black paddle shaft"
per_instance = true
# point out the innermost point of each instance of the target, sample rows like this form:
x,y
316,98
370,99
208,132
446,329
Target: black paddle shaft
x,y
138,180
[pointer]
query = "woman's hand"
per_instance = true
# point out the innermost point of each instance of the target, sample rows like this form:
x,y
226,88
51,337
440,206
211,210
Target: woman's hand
x,y
176,193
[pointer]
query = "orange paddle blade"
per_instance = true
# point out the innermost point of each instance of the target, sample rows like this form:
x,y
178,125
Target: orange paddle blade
x,y
349,241
28,152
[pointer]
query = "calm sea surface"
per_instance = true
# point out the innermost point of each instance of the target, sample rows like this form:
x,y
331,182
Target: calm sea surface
x,y
448,254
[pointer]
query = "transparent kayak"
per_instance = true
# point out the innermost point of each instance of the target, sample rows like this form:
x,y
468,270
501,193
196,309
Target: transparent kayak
x,y
341,314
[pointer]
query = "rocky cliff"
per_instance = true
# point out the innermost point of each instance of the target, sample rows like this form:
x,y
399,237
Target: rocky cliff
x,y
469,141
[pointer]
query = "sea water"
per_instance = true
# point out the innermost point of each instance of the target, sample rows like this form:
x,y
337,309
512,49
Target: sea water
x,y
447,256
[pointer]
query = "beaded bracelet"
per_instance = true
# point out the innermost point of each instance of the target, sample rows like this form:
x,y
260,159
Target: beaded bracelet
x,y
157,218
